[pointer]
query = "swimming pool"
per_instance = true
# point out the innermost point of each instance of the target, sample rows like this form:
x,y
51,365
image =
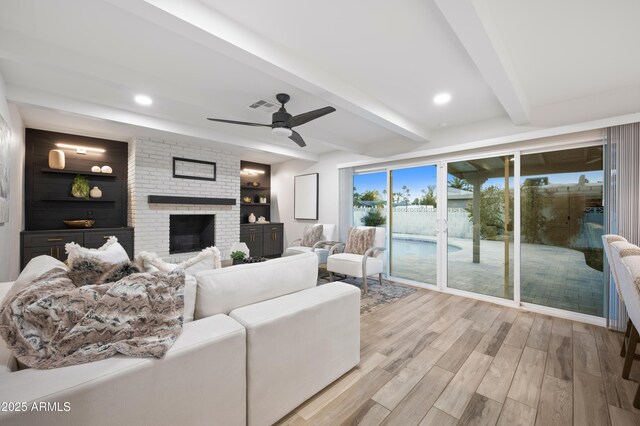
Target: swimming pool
x,y
413,247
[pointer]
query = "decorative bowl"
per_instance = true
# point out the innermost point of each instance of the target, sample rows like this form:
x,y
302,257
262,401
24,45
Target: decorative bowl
x,y
246,199
84,223
254,184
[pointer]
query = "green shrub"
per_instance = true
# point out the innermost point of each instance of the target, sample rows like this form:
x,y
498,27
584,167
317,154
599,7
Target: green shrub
x,y
374,217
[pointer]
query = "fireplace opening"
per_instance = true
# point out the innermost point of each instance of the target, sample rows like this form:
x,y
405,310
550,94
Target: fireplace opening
x,y
189,232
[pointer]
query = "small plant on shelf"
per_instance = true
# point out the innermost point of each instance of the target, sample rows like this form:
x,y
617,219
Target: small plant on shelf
x,y
80,187
262,198
238,257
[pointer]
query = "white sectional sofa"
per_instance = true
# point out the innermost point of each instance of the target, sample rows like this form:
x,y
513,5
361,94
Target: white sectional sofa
x,y
265,339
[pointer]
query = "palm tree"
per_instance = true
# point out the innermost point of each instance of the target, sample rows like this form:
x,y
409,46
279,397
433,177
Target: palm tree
x,y
458,183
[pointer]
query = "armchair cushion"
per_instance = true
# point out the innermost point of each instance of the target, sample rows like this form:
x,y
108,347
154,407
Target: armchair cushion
x,y
312,235
359,240
351,264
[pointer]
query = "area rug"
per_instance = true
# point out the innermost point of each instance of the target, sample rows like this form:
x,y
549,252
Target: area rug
x,y
377,296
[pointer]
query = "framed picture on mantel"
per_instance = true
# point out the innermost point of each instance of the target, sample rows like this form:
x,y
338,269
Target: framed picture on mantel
x,y
305,197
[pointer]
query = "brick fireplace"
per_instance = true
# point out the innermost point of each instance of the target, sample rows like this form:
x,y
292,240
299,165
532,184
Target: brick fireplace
x,y
151,173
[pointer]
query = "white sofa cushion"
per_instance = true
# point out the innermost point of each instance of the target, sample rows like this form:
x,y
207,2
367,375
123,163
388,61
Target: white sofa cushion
x,y
36,267
200,381
7,360
223,290
351,264
296,345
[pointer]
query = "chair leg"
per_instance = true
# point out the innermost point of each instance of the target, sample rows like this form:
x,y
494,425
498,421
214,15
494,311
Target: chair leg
x,y
631,351
330,277
623,351
364,284
380,278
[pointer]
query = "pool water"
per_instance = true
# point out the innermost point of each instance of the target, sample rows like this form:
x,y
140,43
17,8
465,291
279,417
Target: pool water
x,y
422,248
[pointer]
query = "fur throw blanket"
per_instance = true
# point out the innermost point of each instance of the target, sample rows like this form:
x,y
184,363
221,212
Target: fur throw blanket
x,y
52,323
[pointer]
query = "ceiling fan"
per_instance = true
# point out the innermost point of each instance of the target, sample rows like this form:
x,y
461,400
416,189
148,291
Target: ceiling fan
x,y
282,123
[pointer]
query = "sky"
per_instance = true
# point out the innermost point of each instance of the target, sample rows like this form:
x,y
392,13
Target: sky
x,y
418,178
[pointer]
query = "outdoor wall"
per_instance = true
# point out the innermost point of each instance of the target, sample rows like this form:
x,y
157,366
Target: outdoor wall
x,y
10,231
422,221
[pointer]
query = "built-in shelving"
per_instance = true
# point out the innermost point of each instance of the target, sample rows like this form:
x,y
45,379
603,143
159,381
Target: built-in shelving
x,y
256,204
80,200
79,172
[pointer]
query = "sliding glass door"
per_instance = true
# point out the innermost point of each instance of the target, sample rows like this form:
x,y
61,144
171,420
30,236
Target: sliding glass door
x,y
413,224
480,195
562,207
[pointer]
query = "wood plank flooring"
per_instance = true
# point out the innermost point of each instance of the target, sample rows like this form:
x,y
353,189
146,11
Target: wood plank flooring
x,y
438,359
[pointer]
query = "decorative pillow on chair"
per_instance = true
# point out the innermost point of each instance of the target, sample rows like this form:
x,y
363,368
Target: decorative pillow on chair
x,y
312,234
359,240
111,252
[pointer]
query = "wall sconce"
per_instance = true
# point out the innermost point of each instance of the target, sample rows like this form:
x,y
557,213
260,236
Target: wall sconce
x,y
81,149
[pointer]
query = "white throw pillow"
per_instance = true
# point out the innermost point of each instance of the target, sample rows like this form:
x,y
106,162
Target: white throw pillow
x,y
208,258
111,252
35,268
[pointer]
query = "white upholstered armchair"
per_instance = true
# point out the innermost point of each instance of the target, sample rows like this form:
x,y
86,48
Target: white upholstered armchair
x,y
321,248
359,265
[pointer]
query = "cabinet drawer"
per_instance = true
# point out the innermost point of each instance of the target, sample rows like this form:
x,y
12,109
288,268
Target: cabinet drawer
x,y
41,240
244,230
95,239
274,228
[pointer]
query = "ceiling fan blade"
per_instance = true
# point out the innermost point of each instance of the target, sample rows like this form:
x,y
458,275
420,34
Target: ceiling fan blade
x,y
244,123
295,136
308,116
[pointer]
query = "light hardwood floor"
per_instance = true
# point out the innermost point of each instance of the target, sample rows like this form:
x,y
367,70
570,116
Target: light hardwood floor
x,y
438,359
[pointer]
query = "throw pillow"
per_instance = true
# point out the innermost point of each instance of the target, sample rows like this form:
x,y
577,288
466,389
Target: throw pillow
x,y
312,234
359,240
34,269
207,259
90,270
111,252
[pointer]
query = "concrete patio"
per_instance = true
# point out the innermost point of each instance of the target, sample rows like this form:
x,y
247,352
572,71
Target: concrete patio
x,y
551,276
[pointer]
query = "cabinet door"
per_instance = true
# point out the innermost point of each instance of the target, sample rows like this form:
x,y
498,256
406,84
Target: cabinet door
x,y
253,239
56,251
272,244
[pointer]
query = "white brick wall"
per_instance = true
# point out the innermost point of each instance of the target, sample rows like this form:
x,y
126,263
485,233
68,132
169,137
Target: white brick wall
x,y
151,173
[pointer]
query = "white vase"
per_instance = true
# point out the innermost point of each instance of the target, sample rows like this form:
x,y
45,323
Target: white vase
x,y
95,192
252,218
96,169
106,169
56,159
263,200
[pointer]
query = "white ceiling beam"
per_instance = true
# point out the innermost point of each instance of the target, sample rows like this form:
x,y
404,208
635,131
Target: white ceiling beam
x,y
205,25
29,96
472,23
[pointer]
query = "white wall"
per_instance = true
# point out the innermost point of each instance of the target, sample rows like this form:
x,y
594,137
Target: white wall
x,y
10,231
282,191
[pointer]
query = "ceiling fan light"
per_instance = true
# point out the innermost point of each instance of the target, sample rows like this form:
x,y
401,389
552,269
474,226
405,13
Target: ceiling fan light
x,y
282,131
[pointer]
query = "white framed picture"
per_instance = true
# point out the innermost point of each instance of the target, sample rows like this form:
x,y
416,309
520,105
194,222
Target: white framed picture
x,y
305,201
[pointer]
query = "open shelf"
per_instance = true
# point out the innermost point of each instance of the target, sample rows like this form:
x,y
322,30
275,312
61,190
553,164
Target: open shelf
x,y
78,172
256,204
264,188
81,200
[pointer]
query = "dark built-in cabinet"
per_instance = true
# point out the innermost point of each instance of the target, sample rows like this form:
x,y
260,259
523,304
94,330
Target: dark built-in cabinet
x,y
48,200
263,239
51,243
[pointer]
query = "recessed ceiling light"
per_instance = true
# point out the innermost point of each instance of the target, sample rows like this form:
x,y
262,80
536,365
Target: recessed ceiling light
x,y
143,100
441,98
443,124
